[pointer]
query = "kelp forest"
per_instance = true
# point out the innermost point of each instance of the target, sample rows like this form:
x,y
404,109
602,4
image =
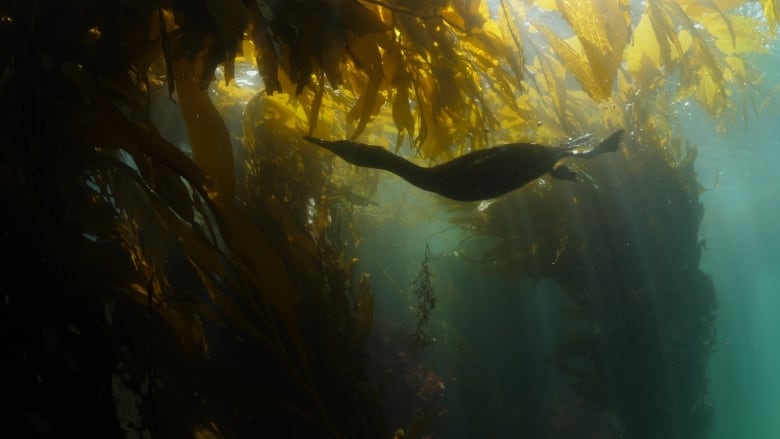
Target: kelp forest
x,y
180,262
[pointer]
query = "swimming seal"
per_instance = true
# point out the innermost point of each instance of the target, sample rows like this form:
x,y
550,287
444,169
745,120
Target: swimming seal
x,y
479,175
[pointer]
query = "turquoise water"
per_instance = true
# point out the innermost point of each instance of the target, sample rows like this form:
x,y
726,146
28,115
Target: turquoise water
x,y
742,228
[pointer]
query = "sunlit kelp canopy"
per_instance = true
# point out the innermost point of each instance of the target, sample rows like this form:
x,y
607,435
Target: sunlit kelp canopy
x,y
165,293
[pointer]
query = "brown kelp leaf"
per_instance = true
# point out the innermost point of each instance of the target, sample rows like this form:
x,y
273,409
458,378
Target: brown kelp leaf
x,y
262,265
365,53
447,82
356,17
165,21
209,138
266,55
168,186
229,69
202,252
421,426
333,57
296,246
402,111
115,262
228,311
101,124
299,69
314,113
230,16
206,258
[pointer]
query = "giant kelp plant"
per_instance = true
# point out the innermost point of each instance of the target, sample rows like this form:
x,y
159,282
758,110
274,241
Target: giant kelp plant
x,y
148,293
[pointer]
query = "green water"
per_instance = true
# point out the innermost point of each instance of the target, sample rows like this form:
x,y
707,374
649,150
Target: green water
x,y
741,226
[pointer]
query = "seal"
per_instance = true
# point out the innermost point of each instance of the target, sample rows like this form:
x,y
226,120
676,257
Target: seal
x,y
478,175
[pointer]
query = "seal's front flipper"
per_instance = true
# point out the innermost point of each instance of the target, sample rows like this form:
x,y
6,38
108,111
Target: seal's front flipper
x,y
563,173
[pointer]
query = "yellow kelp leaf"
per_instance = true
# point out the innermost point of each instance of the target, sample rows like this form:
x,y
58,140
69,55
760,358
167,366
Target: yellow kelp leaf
x,y
501,64
463,15
551,92
283,119
711,94
700,46
229,94
402,111
549,5
737,71
602,29
698,82
393,68
517,58
369,103
615,115
725,5
488,50
314,114
248,51
624,6
772,14
665,30
709,8
746,31
367,57
581,111
435,134
505,90
576,64
643,46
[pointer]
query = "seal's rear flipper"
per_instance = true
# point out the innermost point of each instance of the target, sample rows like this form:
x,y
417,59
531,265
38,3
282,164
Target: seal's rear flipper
x,y
317,141
610,144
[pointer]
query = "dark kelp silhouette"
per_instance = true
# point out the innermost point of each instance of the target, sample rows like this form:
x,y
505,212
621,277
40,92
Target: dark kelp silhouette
x,y
478,175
